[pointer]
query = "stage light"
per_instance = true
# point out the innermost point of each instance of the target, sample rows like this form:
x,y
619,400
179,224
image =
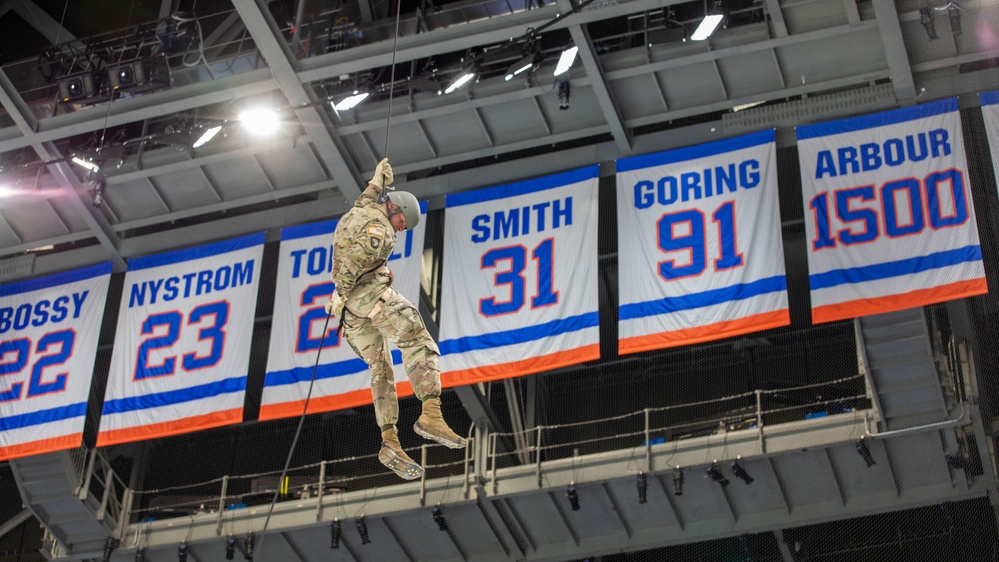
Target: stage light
x,y
182,552
248,546
207,136
716,475
573,497
350,102
109,545
677,481
80,86
362,529
565,60
439,518
230,548
643,487
865,452
739,471
564,92
140,555
259,121
926,18
708,24
528,62
88,164
137,76
954,14
335,532
463,78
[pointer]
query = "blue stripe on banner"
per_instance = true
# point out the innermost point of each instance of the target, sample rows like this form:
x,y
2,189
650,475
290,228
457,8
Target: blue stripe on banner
x,y
55,280
988,98
521,335
307,230
895,268
521,188
695,152
43,416
178,396
328,371
223,247
877,120
740,291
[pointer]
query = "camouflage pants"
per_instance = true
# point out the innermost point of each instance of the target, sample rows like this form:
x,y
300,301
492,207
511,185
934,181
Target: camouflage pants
x,y
398,322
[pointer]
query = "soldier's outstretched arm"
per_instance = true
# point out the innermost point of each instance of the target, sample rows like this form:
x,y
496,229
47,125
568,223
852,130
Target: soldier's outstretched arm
x,y
380,180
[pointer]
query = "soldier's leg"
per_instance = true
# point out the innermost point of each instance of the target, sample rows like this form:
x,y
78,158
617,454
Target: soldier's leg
x,y
402,324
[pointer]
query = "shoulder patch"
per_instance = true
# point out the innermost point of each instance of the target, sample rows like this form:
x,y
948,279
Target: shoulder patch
x,y
376,231
375,234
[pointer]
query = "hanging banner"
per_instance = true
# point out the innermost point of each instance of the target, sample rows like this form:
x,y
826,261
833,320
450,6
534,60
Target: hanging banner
x,y
888,212
49,329
990,111
520,278
182,347
700,253
303,287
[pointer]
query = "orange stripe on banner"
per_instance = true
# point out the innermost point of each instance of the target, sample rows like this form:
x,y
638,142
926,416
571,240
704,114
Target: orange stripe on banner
x,y
321,404
699,334
523,367
61,443
165,429
890,303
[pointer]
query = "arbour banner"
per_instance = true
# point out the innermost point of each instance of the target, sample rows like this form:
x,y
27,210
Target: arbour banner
x,y
990,111
182,345
889,218
49,329
519,291
303,287
700,252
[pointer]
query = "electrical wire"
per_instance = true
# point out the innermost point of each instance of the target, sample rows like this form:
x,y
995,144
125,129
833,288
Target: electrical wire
x,y
395,45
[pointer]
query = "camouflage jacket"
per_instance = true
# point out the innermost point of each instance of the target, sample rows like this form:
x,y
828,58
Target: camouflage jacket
x,y
362,243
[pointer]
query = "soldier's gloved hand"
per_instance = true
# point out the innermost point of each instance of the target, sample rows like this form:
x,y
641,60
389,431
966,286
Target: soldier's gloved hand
x,y
383,175
335,305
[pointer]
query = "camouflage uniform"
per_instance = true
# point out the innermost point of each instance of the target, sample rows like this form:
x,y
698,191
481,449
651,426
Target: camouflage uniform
x,y
377,314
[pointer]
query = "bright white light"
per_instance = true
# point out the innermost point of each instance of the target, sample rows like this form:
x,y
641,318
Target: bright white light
x,y
459,82
565,61
526,66
6,192
86,164
259,121
209,135
707,27
350,102
748,105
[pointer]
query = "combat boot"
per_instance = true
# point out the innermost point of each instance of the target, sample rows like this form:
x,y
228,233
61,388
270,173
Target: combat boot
x,y
431,425
392,456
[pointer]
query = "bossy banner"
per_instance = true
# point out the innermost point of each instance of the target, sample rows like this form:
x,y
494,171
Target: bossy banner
x,y
48,341
303,287
888,212
990,111
182,346
520,278
699,244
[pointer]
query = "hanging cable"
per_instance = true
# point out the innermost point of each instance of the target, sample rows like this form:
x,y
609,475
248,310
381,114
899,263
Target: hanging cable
x,y
395,45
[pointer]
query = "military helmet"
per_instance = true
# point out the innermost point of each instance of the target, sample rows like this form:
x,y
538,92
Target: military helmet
x,y
408,206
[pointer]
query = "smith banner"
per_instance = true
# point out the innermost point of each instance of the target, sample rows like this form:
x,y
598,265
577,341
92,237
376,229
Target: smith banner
x,y
48,341
303,287
990,110
888,212
699,244
520,278
182,347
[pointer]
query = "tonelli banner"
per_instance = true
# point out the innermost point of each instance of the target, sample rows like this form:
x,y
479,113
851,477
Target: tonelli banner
x,y
182,346
888,212
990,111
700,255
303,287
520,278
49,329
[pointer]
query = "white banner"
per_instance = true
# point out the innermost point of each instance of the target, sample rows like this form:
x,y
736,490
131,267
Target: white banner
x,y
182,346
520,278
303,287
49,329
990,111
888,212
700,253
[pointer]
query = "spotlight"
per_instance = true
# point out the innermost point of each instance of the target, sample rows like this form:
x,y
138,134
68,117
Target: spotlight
x,y
109,545
259,121
439,518
926,18
77,86
954,14
563,94
573,497
362,529
708,24
466,75
716,475
678,481
207,136
350,102
140,555
739,471
88,164
230,548
182,552
125,75
565,60
248,546
865,452
643,487
335,533
528,62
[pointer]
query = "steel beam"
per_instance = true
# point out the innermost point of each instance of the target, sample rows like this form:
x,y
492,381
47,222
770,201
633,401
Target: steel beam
x,y
41,21
15,521
777,18
895,52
